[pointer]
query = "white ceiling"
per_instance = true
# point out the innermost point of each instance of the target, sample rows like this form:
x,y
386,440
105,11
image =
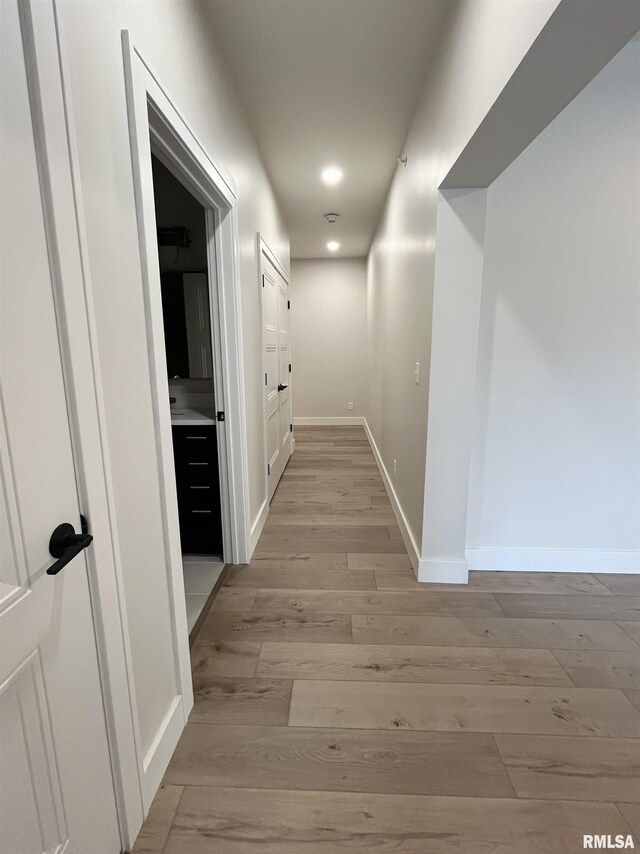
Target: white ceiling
x,y
329,82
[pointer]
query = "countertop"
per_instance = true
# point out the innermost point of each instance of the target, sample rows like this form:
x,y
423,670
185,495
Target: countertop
x,y
183,417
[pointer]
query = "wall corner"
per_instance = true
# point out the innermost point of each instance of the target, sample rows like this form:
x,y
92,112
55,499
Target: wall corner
x,y
443,571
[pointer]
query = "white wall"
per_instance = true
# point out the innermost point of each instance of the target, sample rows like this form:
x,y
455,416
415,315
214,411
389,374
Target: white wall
x,y
328,319
487,42
452,379
556,464
175,40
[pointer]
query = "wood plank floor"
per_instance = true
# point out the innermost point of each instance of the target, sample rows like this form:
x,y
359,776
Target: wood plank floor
x,y
340,706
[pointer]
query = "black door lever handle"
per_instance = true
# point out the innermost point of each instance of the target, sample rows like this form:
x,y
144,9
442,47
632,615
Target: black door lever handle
x,y
282,387
65,544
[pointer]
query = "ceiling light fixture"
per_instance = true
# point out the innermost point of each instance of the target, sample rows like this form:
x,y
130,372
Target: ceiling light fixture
x,y
333,246
332,175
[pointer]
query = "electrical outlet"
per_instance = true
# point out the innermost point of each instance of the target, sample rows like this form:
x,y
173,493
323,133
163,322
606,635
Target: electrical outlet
x,y
395,467
350,405
416,373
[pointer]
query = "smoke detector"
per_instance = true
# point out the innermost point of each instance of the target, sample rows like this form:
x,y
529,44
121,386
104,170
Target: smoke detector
x,y
332,217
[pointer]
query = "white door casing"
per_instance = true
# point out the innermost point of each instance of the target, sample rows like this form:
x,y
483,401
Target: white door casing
x,y
276,360
271,378
284,361
155,123
53,739
154,114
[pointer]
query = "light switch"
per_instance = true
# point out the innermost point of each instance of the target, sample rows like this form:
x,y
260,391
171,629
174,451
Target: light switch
x,y
416,373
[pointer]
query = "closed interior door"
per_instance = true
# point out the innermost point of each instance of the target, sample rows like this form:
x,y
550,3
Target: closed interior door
x,y
277,374
56,788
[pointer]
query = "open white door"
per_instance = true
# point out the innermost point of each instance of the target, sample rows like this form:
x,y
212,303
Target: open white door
x,y
276,359
56,786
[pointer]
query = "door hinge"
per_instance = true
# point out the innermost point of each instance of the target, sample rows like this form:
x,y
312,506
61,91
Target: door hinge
x,y
263,280
288,303
265,379
291,428
220,416
289,367
268,469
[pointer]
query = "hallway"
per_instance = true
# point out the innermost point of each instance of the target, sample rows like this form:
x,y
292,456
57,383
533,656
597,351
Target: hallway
x,y
225,629
340,707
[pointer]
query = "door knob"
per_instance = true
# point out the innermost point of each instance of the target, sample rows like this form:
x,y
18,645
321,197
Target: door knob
x,y
282,387
65,544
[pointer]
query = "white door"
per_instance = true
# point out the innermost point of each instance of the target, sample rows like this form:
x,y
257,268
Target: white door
x,y
277,371
56,788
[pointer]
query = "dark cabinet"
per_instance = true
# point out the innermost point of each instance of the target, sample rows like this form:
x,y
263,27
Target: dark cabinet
x,y
195,453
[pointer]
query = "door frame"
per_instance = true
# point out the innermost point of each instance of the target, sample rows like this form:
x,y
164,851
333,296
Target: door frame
x,y
154,116
155,122
263,250
55,141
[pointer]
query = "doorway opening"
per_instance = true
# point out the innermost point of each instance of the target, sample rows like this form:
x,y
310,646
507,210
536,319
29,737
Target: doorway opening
x,y
185,283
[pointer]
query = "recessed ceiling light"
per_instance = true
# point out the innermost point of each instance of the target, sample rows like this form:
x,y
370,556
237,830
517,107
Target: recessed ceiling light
x,y
333,246
332,175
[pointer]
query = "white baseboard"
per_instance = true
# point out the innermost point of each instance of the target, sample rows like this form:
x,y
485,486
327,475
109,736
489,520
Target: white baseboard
x,y
407,536
258,525
329,421
443,571
159,754
554,560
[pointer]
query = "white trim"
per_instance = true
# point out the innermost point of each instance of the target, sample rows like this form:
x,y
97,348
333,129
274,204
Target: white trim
x,y
258,524
230,523
159,754
403,524
180,150
154,116
56,140
331,420
554,560
443,571
263,246
136,86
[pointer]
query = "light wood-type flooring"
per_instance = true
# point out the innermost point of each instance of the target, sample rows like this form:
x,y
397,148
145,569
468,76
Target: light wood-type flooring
x,y
340,706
